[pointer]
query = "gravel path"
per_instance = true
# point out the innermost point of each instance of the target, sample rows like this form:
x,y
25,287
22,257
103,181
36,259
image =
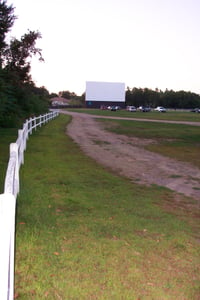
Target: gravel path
x,y
128,157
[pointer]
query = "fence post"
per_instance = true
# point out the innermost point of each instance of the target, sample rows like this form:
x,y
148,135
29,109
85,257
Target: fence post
x,y
22,146
12,174
30,122
35,123
7,234
26,130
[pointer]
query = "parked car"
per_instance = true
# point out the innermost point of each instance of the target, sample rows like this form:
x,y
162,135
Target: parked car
x,y
144,108
131,108
113,108
196,110
160,109
103,107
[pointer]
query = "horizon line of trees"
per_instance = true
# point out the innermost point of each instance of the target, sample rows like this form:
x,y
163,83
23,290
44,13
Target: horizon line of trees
x,y
168,98
19,97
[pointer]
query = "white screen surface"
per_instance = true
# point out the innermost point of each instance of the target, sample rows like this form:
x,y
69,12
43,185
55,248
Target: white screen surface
x,y
105,91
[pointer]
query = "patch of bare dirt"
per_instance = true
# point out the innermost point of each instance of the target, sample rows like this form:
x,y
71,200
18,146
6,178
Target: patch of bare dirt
x,y
127,157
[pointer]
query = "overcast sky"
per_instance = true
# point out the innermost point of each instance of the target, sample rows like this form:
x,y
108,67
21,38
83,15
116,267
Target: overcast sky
x,y
144,43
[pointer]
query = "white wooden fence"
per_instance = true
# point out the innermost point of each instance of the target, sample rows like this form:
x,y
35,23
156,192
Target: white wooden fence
x,y
8,203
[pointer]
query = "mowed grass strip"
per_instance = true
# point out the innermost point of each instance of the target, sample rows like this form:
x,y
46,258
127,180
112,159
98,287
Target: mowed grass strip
x,y
172,115
83,232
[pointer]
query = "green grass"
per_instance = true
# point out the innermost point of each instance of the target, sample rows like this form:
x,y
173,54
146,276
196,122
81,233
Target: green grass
x,y
169,115
83,232
174,140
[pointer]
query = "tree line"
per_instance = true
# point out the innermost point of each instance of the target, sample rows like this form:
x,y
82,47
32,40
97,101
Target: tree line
x,y
19,97
168,98
146,97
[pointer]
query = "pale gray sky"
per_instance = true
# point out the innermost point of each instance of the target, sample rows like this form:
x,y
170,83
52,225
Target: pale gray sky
x,y
144,43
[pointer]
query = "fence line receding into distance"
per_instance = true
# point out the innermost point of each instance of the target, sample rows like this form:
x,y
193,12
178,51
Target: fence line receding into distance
x,y
8,203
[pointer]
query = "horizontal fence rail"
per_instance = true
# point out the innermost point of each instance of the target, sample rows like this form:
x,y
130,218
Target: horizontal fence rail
x,y
8,203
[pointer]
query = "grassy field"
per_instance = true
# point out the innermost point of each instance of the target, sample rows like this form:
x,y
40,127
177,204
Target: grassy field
x,y
169,115
83,232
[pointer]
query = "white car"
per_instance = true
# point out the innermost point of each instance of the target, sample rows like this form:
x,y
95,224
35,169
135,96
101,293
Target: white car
x,y
160,109
131,108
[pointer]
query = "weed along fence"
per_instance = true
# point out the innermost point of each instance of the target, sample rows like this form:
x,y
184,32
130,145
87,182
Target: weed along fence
x,y
8,204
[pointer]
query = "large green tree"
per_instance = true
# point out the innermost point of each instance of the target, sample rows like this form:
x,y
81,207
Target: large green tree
x,y
17,55
19,97
7,19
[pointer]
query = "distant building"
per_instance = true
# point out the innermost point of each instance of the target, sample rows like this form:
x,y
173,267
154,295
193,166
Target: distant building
x,y
104,94
59,102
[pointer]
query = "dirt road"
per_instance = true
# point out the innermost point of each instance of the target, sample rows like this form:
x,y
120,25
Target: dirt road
x,y
128,157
